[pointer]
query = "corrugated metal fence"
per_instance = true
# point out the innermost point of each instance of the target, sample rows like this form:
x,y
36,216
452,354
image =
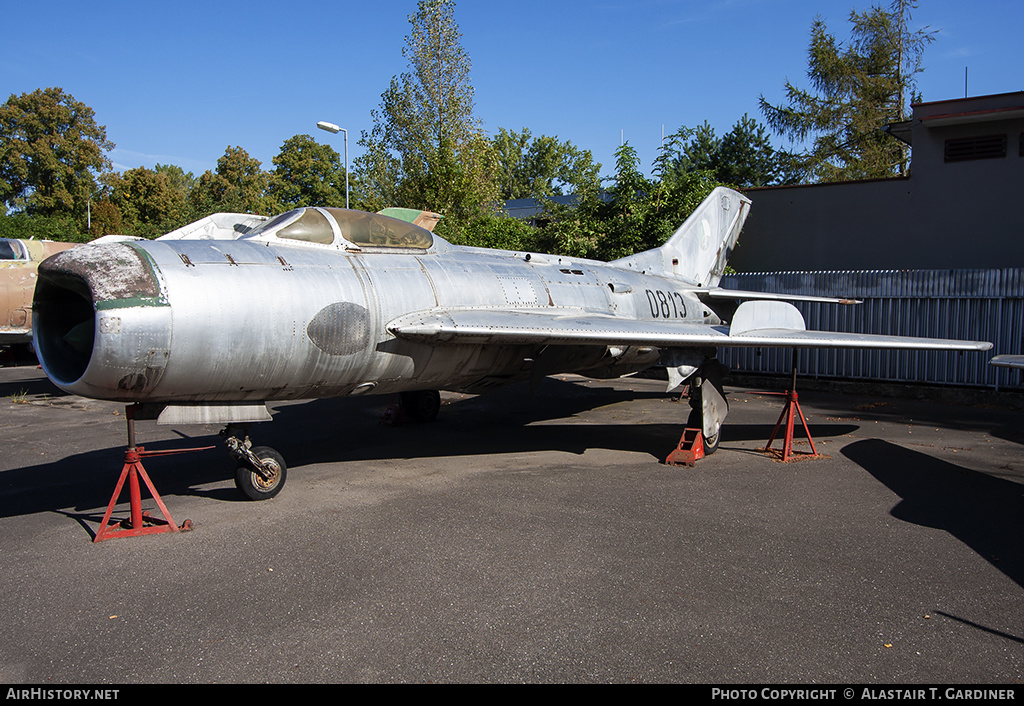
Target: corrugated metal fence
x,y
983,305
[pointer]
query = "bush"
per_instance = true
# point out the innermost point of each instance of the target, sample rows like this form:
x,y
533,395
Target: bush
x,y
493,231
24,227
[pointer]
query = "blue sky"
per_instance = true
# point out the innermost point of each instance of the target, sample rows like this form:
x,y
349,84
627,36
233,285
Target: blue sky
x,y
177,83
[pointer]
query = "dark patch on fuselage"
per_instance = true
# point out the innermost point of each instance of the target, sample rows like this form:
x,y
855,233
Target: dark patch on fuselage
x,y
342,328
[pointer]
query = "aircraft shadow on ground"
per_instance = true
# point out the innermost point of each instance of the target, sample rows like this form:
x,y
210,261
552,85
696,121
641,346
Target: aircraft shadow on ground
x,y
983,512
32,388
16,356
1001,423
350,429
505,421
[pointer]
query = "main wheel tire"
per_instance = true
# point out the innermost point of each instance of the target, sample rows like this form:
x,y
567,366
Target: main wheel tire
x,y
711,443
254,486
421,405
695,421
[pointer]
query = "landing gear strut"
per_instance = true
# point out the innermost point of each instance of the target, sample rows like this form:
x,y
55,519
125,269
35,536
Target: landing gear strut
x,y
704,424
708,404
261,471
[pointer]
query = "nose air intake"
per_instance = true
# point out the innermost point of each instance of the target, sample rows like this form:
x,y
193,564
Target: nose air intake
x,y
74,292
64,324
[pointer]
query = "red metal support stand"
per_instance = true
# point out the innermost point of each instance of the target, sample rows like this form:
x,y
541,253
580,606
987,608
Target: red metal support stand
x,y
788,415
791,409
138,522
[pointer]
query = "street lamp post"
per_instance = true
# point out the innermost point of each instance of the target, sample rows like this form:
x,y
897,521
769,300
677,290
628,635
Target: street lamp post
x,y
331,127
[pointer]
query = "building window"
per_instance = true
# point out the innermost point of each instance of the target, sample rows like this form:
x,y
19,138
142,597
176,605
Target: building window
x,y
982,147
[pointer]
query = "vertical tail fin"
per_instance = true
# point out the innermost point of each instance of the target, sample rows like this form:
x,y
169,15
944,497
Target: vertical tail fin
x,y
698,250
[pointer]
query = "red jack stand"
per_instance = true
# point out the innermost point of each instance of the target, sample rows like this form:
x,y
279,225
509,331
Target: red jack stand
x,y
138,522
792,406
689,450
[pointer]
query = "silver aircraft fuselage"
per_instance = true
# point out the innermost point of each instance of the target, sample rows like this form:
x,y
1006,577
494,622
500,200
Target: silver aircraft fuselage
x,y
257,320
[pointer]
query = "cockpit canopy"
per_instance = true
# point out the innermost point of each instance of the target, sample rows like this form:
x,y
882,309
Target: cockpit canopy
x,y
344,228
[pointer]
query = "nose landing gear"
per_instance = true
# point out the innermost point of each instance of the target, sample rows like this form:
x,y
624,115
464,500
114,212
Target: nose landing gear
x,y
261,471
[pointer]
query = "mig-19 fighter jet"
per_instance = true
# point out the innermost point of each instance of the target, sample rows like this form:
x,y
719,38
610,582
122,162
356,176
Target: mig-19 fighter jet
x,y
322,302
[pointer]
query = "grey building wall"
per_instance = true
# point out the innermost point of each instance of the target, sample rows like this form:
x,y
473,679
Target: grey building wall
x,y
965,213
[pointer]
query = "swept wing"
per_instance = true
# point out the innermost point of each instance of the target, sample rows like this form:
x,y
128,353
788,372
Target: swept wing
x,y
755,324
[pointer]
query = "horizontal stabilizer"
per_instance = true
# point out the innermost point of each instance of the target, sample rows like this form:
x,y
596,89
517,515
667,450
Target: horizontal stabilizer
x,y
1008,361
757,326
742,295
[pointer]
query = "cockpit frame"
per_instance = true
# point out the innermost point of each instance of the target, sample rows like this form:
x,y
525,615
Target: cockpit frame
x,y
344,229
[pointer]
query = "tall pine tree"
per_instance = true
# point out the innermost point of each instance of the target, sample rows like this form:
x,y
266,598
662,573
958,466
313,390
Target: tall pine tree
x,y
426,150
857,89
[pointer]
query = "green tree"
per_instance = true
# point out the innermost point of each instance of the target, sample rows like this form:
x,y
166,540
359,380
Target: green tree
x,y
628,213
64,228
239,185
179,179
510,153
692,150
426,149
105,219
541,167
742,158
857,89
307,173
50,152
492,230
747,158
635,213
147,201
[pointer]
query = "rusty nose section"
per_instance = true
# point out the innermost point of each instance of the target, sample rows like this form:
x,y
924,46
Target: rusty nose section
x,y
101,321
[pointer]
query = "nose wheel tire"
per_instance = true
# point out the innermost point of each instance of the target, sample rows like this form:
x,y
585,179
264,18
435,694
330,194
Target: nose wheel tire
x,y
253,485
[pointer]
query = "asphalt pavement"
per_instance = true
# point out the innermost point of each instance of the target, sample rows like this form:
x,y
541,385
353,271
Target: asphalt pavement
x,y
521,538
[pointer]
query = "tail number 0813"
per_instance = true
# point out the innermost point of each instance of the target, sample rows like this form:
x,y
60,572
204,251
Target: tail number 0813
x,y
666,305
